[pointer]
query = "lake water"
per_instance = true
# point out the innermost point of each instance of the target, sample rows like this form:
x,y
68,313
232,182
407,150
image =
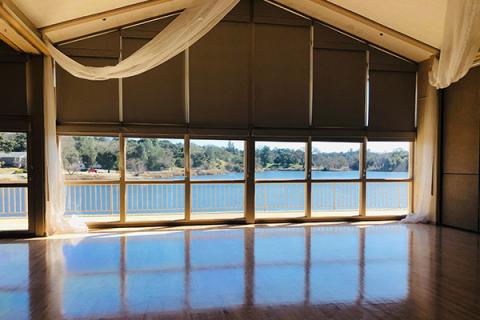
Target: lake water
x,y
164,198
270,197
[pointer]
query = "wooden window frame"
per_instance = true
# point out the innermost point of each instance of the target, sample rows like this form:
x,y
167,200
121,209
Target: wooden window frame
x,y
249,182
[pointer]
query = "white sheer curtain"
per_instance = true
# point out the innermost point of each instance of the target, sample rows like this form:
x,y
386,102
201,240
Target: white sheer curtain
x,y
461,42
55,187
426,150
191,25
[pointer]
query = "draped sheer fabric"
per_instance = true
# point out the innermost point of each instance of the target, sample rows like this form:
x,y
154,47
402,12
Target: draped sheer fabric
x,y
461,42
55,193
190,26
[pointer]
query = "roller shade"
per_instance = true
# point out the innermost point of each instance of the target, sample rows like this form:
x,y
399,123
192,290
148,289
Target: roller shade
x,y
264,12
392,93
219,76
13,88
81,100
339,79
281,75
156,96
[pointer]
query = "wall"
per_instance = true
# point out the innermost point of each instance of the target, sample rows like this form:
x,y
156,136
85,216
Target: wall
x,y
461,153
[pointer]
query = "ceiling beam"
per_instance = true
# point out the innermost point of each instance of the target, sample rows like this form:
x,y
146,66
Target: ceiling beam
x,y
375,25
102,15
21,25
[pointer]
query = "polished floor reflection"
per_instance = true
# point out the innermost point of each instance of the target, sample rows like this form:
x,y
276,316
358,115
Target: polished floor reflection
x,y
303,271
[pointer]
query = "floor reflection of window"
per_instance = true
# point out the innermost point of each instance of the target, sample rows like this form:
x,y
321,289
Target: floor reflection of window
x,y
279,266
92,284
14,296
217,268
386,263
335,266
155,273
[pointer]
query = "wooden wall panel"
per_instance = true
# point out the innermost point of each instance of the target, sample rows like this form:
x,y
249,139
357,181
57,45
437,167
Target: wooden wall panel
x,y
220,77
282,76
461,128
80,100
460,201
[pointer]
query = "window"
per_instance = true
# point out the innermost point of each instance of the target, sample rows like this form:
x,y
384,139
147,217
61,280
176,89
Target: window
x,y
217,169
388,178
13,181
217,160
155,174
388,160
155,159
90,158
280,179
343,178
335,178
91,171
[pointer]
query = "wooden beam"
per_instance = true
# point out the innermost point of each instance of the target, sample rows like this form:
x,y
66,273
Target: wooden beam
x,y
20,23
375,25
102,15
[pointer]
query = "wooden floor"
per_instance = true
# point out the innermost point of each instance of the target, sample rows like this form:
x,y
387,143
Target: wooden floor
x,y
287,271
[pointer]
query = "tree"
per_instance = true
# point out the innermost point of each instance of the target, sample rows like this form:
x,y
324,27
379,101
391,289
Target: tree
x,y
87,149
106,159
70,156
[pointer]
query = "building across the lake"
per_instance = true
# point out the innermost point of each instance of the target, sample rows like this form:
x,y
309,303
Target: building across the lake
x,y
13,159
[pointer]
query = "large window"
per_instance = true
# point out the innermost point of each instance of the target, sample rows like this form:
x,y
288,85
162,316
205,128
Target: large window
x,y
155,174
91,171
13,181
135,179
335,178
388,178
217,169
280,179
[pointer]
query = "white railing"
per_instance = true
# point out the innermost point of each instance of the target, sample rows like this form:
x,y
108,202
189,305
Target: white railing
x,y
215,197
13,201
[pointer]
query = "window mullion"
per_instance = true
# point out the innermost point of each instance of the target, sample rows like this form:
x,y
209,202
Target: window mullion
x,y
187,178
123,188
308,176
363,177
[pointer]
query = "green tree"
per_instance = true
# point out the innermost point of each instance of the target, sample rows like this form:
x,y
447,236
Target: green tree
x,y
107,159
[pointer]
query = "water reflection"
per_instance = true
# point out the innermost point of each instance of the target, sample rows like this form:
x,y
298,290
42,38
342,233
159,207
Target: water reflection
x,y
204,270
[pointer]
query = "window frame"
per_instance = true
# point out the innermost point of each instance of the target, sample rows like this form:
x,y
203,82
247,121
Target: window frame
x,y
249,180
28,184
190,181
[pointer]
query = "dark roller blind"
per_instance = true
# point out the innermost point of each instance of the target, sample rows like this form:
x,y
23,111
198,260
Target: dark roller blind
x,y
339,79
80,100
392,93
158,95
264,12
13,88
282,75
219,76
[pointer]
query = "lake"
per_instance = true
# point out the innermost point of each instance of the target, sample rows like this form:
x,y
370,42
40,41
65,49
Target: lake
x,y
154,199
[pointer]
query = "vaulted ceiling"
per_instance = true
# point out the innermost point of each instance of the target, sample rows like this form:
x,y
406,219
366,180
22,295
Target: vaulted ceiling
x,y
411,28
